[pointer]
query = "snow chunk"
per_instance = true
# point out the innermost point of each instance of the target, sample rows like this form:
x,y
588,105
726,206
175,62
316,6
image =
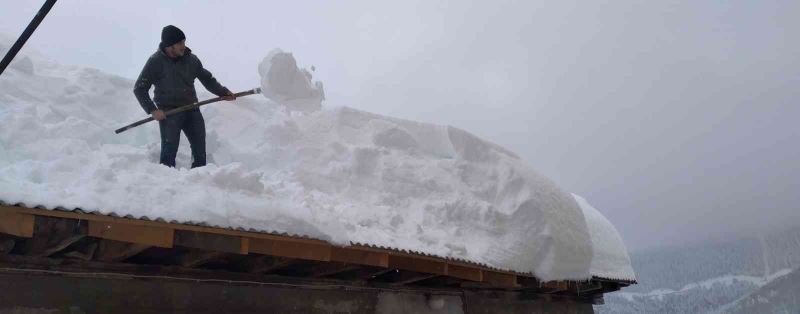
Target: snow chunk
x,y
285,83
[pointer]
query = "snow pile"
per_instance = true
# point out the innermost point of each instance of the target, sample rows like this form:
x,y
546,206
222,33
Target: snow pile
x,y
285,83
610,258
336,174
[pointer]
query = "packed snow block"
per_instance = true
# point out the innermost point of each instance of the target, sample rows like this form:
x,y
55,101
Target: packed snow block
x,y
471,148
285,83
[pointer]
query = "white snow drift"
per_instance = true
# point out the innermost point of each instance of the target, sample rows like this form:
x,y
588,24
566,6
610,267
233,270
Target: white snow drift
x,y
336,174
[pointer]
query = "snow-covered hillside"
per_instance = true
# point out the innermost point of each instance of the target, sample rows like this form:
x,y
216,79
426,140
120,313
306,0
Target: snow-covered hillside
x,y
781,295
714,277
336,174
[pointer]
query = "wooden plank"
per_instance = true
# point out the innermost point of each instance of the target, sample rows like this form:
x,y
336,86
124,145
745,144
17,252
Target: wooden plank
x,y
555,286
291,249
255,263
51,235
464,272
528,282
7,243
404,277
329,268
85,253
590,287
266,264
147,235
381,257
116,251
444,281
361,256
195,258
378,258
499,279
209,241
245,249
139,222
417,264
17,224
363,273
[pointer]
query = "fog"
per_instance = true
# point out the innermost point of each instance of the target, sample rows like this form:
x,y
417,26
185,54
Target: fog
x,y
677,119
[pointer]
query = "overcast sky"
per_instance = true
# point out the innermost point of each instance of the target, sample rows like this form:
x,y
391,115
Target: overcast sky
x,y
677,119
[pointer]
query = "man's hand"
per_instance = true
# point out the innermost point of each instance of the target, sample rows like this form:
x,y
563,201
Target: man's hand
x,y
158,115
229,97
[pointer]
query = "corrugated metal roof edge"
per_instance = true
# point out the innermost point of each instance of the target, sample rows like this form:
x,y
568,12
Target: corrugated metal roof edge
x,y
290,235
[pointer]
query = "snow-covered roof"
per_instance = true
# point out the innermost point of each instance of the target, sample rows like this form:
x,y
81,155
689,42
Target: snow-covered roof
x,y
337,174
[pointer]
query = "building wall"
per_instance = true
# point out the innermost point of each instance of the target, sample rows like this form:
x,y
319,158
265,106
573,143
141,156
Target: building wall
x,y
24,293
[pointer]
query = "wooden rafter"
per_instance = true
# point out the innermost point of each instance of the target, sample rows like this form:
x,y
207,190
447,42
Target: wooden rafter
x,y
16,223
117,251
52,235
139,234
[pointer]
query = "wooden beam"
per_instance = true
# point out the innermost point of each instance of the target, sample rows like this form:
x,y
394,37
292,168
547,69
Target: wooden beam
x,y
464,272
555,286
417,264
195,258
150,223
259,264
271,263
413,279
499,279
117,251
86,253
52,235
147,235
361,256
528,282
17,224
611,287
329,268
291,249
442,281
404,277
363,273
20,221
591,287
211,242
6,244
245,249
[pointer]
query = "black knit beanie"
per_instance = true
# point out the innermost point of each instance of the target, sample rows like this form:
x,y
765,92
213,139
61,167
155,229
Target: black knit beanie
x,y
171,35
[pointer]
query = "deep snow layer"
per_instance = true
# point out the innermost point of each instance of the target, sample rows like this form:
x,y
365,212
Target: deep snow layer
x,y
336,174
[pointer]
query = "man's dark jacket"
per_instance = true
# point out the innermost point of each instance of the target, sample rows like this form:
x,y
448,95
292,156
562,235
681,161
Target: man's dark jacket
x,y
174,81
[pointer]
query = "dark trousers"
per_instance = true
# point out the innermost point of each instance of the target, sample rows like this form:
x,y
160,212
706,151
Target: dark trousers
x,y
193,126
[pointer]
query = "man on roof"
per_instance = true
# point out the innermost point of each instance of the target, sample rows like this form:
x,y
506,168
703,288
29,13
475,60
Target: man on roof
x,y
173,69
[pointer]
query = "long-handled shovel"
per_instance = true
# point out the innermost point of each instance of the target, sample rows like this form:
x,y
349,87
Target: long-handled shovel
x,y
184,108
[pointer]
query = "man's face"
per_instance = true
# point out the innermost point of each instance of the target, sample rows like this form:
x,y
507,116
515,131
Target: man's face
x,y
178,49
